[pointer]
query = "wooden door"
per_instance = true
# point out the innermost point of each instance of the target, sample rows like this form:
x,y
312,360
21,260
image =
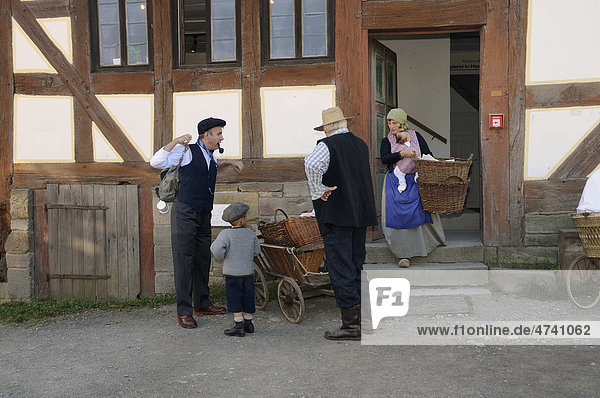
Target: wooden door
x,y
384,97
93,241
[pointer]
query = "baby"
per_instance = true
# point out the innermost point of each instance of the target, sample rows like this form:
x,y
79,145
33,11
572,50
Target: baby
x,y
403,166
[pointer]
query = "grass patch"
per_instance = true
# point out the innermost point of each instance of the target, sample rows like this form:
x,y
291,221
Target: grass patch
x,y
531,266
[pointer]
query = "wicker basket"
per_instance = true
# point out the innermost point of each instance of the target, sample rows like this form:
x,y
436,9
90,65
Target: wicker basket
x,y
588,226
432,171
445,197
291,231
312,260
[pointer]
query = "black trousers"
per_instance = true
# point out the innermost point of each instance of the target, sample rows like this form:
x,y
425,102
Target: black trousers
x,y
190,240
345,253
240,293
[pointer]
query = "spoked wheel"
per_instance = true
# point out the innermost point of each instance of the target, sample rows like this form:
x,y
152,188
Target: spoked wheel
x,y
291,300
583,281
261,292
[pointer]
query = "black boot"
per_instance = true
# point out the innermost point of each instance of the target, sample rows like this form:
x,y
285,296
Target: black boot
x,y
236,330
350,329
248,326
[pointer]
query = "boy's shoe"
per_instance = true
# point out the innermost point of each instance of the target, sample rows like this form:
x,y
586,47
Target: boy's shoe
x,y
248,326
236,330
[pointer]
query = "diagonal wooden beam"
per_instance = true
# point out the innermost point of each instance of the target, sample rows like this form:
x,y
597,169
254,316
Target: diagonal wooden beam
x,y
77,84
583,160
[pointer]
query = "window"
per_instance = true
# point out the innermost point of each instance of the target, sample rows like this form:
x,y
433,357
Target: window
x,y
120,33
209,31
297,29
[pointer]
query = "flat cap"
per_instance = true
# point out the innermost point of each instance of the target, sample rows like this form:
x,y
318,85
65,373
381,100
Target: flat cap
x,y
209,123
234,211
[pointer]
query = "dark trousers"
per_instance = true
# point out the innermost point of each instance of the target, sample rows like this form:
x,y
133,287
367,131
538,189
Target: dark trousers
x,y
240,293
190,240
345,253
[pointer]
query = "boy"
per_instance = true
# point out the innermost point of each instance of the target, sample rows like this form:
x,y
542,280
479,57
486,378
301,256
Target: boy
x,y
237,247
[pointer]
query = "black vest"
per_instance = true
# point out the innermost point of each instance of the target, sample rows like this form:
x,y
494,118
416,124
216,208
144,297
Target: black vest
x,y
197,182
352,204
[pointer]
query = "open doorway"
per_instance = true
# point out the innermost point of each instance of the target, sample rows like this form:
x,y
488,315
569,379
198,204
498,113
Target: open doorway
x,y
437,83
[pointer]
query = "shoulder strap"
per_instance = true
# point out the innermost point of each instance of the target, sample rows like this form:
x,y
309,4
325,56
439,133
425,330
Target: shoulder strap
x,y
183,153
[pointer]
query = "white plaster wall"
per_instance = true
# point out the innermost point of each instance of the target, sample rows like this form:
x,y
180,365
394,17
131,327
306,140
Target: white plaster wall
x,y
28,58
424,85
290,115
552,134
191,107
563,41
135,115
43,129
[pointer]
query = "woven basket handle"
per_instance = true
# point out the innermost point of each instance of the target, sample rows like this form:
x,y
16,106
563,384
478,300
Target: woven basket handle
x,y
454,176
275,214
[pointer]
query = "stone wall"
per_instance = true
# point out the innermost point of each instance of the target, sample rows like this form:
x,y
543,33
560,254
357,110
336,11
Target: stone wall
x,y
19,247
263,199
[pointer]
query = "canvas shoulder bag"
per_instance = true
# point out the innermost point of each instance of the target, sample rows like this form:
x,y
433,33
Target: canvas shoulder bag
x,y
168,189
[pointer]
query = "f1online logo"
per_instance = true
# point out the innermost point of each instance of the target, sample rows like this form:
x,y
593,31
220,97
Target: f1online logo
x,y
388,297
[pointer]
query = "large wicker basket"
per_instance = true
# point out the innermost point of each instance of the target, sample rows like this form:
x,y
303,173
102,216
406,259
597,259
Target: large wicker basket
x,y
291,231
588,226
432,171
445,197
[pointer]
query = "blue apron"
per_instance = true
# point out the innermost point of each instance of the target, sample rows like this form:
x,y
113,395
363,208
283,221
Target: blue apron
x,y
404,210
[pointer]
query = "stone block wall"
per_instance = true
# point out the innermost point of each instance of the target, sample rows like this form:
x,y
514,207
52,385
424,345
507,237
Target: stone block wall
x,y
19,248
263,199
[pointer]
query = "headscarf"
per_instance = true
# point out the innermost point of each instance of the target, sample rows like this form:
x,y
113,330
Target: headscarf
x,y
399,115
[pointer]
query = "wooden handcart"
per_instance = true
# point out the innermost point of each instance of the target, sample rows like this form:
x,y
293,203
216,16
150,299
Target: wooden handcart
x,y
301,273
583,277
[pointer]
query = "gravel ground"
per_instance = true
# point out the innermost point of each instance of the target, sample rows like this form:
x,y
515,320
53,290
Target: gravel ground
x,y
142,352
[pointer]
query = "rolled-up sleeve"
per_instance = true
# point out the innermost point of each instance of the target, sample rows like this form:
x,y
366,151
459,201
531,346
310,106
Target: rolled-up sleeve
x,y
163,159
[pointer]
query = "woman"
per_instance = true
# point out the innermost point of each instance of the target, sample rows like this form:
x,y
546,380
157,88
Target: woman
x,y
409,230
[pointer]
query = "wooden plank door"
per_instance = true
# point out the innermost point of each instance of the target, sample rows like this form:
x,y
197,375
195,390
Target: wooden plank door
x,y
93,241
384,97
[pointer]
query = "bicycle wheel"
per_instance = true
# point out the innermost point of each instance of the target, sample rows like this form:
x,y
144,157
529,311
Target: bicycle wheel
x,y
583,281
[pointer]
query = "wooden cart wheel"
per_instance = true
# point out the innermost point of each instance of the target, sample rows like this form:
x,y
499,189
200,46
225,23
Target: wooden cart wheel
x,y
583,281
261,291
290,299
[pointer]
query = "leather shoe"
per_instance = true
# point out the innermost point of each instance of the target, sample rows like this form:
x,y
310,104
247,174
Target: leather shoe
x,y
210,310
187,321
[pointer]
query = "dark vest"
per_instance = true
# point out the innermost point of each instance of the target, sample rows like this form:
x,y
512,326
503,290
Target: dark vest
x,y
197,182
352,204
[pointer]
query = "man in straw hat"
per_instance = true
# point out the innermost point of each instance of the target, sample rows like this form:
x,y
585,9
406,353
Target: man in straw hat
x,y
339,179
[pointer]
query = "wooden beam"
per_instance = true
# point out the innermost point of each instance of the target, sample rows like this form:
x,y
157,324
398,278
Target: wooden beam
x,y
146,242
42,265
495,143
563,95
252,139
163,73
122,83
49,8
75,82
206,79
552,195
84,146
298,75
40,84
516,117
392,15
583,160
352,66
6,101
37,175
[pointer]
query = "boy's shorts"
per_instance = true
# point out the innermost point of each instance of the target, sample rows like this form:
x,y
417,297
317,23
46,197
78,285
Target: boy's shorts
x,y
240,293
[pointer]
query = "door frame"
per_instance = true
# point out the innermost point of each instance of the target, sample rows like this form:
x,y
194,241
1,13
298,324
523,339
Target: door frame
x,y
501,169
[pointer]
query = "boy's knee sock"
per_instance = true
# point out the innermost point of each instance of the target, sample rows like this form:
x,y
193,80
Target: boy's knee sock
x,y
238,318
248,316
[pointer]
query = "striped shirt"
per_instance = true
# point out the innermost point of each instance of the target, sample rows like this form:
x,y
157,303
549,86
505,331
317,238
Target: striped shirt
x,y
316,164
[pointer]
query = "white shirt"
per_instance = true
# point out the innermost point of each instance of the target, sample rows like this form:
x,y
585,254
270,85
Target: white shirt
x,y
164,159
316,164
590,198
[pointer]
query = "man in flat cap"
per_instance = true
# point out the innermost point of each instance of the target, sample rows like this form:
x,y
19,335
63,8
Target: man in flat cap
x,y
191,214
339,179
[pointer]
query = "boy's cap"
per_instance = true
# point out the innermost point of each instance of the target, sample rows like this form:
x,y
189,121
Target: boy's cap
x,y
234,211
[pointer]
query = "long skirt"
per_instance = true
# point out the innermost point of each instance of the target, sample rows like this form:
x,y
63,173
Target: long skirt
x,y
412,241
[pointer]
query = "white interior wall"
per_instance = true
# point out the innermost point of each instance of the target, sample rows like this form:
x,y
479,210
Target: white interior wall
x,y
424,85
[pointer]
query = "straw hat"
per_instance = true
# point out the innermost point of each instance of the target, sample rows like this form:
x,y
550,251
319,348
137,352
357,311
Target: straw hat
x,y
332,115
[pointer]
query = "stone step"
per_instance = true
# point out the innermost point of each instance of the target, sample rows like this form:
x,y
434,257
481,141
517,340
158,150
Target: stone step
x,y
450,291
468,219
461,246
448,275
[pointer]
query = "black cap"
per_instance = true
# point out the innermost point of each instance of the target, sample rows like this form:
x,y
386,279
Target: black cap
x,y
234,211
209,123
